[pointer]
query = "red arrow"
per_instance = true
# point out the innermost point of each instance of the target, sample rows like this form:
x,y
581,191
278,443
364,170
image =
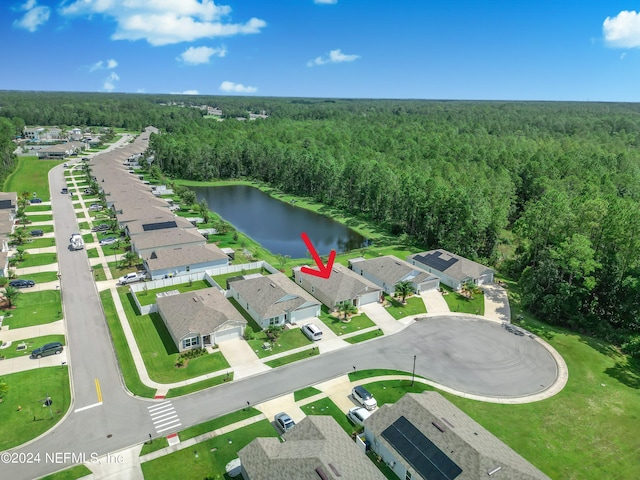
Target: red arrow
x,y
324,271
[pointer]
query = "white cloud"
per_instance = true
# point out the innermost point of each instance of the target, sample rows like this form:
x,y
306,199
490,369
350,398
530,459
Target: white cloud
x,y
325,2
34,17
99,65
335,56
624,54
109,83
227,86
623,30
164,22
186,92
198,55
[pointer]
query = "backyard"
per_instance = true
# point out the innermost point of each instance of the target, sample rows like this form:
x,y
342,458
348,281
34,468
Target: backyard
x,y
148,297
414,306
34,308
355,323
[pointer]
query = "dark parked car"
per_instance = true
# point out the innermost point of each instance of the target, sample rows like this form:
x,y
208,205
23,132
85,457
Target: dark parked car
x,y
22,283
35,200
284,422
36,233
65,191
47,349
103,227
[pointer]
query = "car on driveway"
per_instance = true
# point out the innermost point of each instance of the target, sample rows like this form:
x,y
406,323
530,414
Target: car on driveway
x,y
22,283
35,200
284,422
47,349
103,227
96,207
36,233
108,241
364,398
358,415
66,165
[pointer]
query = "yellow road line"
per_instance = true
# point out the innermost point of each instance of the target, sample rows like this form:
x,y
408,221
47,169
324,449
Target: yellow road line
x,y
98,390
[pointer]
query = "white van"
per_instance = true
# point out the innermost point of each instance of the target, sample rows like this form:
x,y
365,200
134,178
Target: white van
x,y
312,331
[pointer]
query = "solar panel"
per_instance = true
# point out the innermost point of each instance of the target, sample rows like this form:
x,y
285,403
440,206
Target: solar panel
x,y
425,457
148,227
433,260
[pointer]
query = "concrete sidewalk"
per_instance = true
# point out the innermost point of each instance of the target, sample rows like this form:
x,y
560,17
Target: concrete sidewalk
x,y
434,302
53,328
243,361
24,363
51,267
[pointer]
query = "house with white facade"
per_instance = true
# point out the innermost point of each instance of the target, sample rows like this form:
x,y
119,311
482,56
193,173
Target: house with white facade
x,y
388,271
452,270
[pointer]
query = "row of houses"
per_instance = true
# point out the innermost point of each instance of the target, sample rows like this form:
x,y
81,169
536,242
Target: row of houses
x,y
8,208
421,436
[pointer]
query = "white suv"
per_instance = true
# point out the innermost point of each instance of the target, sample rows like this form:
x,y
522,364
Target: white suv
x,y
312,331
364,398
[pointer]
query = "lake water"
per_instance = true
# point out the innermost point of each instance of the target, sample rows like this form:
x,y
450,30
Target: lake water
x,y
277,225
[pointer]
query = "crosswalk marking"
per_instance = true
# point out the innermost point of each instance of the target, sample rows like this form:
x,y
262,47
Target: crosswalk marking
x,y
164,416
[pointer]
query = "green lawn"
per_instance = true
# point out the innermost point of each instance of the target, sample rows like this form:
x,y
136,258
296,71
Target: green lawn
x,y
27,390
37,260
207,459
35,342
160,352
35,308
339,327
414,306
148,297
92,253
196,387
222,279
72,473
364,337
125,359
460,303
37,208
294,357
218,422
325,406
40,218
40,243
88,238
377,372
44,228
305,393
31,175
288,339
41,277
84,226
98,273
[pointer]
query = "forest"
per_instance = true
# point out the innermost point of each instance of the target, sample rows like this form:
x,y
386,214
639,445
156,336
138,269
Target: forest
x,y
548,192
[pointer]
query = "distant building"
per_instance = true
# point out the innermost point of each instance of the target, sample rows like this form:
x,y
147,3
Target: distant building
x,y
453,270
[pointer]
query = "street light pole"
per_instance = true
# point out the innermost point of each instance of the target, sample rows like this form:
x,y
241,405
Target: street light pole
x,y
413,373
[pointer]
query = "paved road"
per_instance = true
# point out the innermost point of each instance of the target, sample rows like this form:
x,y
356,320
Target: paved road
x,y
471,355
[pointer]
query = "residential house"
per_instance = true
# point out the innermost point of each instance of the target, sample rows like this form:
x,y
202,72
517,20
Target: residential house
x,y
273,300
343,285
170,262
162,220
424,436
316,448
200,318
388,271
453,270
61,150
33,133
146,243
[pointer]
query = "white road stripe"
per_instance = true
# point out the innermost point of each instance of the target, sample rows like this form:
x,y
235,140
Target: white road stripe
x,y
153,407
168,428
87,407
160,420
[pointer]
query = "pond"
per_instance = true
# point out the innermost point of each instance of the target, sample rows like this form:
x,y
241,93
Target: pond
x,y
277,225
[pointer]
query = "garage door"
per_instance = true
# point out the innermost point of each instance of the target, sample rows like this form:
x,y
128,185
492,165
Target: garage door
x,y
428,285
304,313
485,279
228,334
370,297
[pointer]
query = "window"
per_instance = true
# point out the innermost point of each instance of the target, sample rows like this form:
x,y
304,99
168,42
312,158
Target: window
x,y
188,268
190,342
408,475
313,289
274,320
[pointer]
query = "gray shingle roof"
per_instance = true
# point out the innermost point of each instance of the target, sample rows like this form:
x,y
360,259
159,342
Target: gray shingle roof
x,y
451,264
341,285
202,311
166,238
392,270
273,294
316,442
181,256
163,217
473,448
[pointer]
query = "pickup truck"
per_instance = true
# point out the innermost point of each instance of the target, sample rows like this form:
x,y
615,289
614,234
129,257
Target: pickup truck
x,y
132,277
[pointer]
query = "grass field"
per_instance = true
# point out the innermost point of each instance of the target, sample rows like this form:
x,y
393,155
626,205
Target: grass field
x,y
98,273
125,359
159,351
339,327
40,277
35,308
37,260
72,473
40,218
40,243
460,303
305,393
148,297
364,337
196,387
27,390
325,406
35,342
37,208
414,306
31,175
207,459
294,357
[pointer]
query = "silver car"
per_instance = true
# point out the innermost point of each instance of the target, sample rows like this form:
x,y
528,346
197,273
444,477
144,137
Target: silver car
x,y
284,422
358,415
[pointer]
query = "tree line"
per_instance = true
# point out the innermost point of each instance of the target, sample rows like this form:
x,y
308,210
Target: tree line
x,y
549,192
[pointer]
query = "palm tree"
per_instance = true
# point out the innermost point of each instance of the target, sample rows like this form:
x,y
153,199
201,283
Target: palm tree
x,y
204,210
348,308
469,289
403,289
11,295
23,200
19,236
129,257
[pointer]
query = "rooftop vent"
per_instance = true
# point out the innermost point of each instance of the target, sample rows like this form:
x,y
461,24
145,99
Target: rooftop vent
x,y
438,426
494,470
272,285
334,470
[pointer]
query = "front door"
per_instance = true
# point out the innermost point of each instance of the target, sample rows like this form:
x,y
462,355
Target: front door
x,y
206,340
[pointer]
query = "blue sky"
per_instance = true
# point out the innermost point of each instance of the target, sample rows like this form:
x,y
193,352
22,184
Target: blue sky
x,y
432,49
